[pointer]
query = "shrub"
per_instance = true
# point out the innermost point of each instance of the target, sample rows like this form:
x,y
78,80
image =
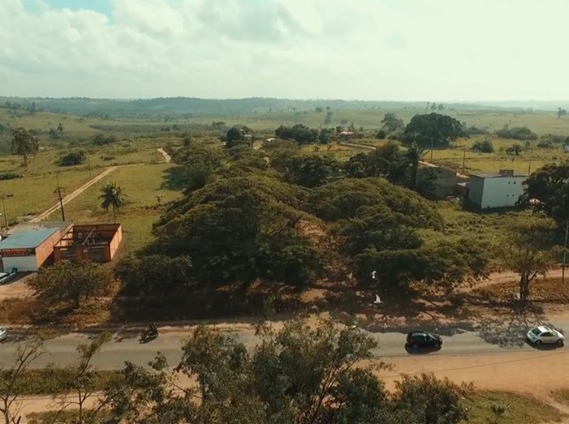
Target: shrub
x,y
517,133
381,135
545,144
10,176
483,146
72,158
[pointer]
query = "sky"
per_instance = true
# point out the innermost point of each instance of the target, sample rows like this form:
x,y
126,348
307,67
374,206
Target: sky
x,y
403,50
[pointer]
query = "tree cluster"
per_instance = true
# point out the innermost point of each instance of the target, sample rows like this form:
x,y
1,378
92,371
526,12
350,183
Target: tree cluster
x,y
299,374
299,132
517,133
432,131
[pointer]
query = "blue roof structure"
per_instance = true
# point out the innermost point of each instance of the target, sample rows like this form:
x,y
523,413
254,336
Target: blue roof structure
x,y
27,239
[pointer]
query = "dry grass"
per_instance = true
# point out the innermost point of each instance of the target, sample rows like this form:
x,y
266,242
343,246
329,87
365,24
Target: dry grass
x,y
519,409
561,396
542,290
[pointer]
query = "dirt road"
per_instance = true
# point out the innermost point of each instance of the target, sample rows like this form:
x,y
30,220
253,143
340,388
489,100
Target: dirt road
x,y
163,152
73,195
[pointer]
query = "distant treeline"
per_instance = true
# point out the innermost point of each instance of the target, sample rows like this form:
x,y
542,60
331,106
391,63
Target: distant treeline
x,y
188,107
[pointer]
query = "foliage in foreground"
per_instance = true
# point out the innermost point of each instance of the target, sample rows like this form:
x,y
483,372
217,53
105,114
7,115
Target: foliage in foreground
x,y
300,374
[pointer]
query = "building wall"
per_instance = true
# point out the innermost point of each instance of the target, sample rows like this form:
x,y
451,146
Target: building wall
x,y
23,263
476,190
115,243
502,192
45,250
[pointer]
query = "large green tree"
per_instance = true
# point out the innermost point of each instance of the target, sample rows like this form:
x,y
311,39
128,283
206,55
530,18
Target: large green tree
x,y
113,197
311,171
547,189
432,131
238,229
69,283
392,123
25,144
528,248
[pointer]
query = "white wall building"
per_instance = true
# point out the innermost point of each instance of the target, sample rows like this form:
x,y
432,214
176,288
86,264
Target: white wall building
x,y
500,190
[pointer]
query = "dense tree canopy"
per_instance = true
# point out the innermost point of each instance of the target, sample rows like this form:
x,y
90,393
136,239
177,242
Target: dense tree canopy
x,y
299,132
547,189
239,229
432,130
311,171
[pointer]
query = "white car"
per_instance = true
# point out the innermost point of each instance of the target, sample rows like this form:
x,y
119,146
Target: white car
x,y
3,334
545,335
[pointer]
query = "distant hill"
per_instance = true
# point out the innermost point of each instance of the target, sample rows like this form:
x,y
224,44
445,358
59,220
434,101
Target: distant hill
x,y
195,107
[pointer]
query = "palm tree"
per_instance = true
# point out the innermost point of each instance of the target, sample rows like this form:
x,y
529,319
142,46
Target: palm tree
x,y
112,197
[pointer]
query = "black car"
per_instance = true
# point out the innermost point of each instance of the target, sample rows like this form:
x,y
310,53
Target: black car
x,y
417,339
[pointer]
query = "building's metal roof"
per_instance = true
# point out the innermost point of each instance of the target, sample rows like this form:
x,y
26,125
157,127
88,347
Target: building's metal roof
x,y
494,175
27,239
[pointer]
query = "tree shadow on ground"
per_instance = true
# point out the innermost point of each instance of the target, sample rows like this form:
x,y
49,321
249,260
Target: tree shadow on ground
x,y
397,313
508,329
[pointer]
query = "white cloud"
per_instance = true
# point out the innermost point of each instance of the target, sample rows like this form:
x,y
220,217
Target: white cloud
x,y
437,50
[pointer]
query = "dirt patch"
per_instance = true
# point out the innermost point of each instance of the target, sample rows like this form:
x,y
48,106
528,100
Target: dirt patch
x,y
549,290
17,288
503,372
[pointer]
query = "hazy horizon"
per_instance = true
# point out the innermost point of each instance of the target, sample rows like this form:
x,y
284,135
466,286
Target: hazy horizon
x,y
466,51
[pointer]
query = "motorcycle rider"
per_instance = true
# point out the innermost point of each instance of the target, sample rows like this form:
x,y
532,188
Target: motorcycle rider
x,y
153,330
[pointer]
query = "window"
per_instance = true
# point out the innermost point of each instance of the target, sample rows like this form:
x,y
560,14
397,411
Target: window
x,y
546,334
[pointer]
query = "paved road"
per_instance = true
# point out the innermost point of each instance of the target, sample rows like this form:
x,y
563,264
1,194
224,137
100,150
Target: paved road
x,y
61,351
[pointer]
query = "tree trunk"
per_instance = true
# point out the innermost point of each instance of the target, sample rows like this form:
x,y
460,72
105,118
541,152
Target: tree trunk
x,y
524,286
25,160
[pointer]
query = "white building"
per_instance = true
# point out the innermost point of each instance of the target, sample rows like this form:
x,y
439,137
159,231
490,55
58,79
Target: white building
x,y
499,190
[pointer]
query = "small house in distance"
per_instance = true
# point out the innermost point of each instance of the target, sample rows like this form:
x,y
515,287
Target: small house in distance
x,y
95,243
495,190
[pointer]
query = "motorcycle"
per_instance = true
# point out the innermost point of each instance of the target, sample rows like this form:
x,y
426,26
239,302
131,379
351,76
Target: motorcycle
x,y
148,336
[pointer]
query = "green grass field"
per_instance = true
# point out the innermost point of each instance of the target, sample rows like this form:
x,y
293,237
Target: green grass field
x,y
142,184
519,409
33,195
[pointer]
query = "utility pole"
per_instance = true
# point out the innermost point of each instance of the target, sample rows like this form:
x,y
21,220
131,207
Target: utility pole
x,y
89,162
4,196
529,167
564,252
463,161
58,191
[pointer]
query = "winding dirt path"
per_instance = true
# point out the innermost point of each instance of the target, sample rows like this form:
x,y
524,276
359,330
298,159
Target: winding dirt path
x,y
163,152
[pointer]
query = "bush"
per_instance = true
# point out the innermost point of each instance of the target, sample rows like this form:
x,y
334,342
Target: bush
x,y
483,146
515,149
102,139
381,134
476,131
72,159
545,144
10,176
517,133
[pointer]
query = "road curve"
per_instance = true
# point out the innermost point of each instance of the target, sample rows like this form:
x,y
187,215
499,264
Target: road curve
x,y
61,351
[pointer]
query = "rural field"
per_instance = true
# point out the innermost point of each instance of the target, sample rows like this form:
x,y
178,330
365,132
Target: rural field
x,y
220,216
